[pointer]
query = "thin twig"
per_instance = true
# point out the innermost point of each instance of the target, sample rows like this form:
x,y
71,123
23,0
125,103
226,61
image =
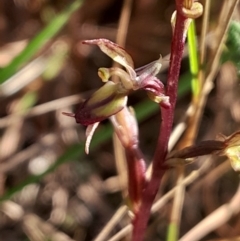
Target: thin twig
x,y
202,45
119,153
121,165
173,231
224,24
124,23
121,234
180,128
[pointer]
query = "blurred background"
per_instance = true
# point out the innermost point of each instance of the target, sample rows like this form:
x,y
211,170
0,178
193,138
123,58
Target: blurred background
x,y
49,188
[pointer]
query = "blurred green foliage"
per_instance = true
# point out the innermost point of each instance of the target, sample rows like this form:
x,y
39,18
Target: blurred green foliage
x,y
232,50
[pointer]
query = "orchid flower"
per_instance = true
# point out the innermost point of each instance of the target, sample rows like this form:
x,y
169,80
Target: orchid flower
x,y
112,96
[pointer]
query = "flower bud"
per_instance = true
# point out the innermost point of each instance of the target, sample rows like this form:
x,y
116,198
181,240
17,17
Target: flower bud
x,y
105,102
125,125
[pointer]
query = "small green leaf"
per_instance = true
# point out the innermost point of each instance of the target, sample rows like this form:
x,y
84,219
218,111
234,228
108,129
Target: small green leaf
x,y
232,49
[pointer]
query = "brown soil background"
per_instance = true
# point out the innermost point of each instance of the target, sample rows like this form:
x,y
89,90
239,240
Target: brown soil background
x,y
75,201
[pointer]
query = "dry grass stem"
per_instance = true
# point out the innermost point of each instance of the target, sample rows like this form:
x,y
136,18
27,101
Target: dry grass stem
x,y
121,166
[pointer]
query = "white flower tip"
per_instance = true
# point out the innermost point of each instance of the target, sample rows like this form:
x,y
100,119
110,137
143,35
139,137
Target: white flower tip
x,y
89,134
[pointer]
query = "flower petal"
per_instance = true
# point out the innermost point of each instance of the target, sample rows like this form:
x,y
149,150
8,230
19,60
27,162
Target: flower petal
x,y
89,134
151,69
155,89
117,53
127,83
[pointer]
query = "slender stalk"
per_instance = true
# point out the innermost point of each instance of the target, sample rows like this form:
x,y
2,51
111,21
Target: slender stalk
x,y
193,60
202,44
119,153
174,225
175,220
202,148
141,218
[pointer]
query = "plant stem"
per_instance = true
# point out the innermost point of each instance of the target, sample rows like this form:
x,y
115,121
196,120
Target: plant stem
x,y
177,206
193,60
141,218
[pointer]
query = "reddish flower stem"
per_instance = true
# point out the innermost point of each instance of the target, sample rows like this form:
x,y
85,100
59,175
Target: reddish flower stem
x,y
136,175
149,194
